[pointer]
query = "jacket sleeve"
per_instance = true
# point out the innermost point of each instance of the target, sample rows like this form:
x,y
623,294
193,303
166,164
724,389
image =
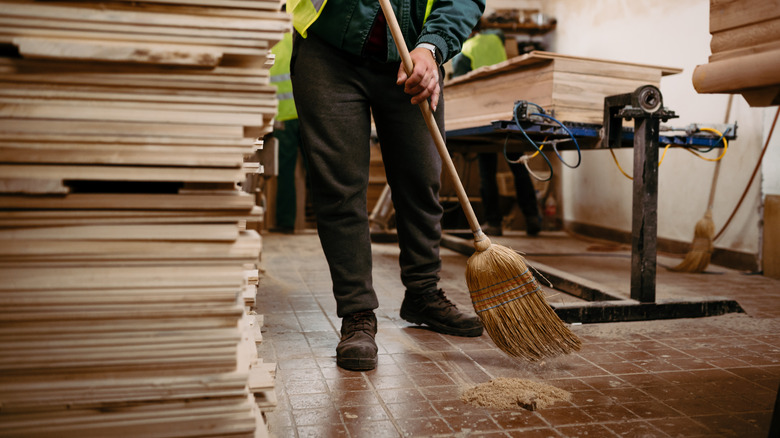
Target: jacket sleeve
x,y
450,24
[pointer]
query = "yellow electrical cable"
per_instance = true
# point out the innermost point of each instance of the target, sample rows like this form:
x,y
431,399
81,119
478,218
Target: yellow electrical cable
x,y
618,165
713,130
664,154
540,148
720,135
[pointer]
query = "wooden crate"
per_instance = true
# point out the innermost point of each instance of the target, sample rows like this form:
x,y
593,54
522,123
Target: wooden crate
x,y
573,87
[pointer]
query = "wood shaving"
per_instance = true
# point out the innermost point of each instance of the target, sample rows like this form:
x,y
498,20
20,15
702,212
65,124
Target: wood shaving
x,y
512,393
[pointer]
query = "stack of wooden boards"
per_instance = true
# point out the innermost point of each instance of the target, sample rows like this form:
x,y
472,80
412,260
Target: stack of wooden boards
x,y
127,270
745,51
573,88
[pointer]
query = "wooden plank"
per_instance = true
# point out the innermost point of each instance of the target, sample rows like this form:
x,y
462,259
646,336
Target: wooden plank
x,y
531,59
168,84
74,254
261,377
749,35
219,79
127,201
592,69
118,296
164,17
268,5
59,217
773,46
29,186
120,173
194,10
224,420
91,392
108,155
220,38
188,108
168,152
728,14
176,232
235,46
246,69
68,139
99,277
235,101
246,247
109,113
118,51
580,98
204,322
10,127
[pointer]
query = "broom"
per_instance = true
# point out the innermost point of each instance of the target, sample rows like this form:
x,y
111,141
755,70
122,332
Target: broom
x,y
698,258
506,296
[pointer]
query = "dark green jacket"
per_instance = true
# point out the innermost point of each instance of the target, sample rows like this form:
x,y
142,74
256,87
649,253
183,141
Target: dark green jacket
x,y
346,24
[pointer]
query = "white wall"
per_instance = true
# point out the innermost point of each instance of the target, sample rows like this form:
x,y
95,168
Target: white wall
x,y
672,33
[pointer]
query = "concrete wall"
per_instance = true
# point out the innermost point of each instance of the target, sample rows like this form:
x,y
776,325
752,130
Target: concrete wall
x,y
672,33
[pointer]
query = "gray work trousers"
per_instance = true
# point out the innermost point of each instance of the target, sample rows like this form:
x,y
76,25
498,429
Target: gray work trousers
x,y
335,95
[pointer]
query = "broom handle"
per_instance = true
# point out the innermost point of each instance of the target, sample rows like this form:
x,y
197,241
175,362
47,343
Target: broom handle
x,y
395,30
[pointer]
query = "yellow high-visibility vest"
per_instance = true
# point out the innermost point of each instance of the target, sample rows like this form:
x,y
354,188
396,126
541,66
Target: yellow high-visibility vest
x,y
428,8
305,13
280,78
484,49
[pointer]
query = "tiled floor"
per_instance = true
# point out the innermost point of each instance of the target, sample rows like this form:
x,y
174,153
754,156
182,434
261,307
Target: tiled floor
x,y
703,377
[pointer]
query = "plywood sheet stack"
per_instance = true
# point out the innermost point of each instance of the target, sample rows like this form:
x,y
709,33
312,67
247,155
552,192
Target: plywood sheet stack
x,y
572,87
126,268
745,48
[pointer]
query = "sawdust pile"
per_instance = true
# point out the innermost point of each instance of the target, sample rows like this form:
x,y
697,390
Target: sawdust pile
x,y
511,393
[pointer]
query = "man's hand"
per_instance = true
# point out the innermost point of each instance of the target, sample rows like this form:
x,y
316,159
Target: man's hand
x,y
423,83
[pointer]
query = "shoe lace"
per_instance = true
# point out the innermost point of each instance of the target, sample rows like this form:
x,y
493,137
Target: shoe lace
x,y
438,295
360,321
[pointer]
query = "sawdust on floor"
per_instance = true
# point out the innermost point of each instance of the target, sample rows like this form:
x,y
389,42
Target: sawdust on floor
x,y
513,393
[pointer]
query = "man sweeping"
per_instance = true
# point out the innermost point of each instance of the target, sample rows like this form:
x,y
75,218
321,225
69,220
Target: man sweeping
x,y
346,70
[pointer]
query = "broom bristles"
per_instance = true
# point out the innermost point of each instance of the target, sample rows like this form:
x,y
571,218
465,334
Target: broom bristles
x,y
698,258
512,307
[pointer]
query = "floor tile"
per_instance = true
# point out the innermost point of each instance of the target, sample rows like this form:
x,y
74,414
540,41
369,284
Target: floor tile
x,y
703,377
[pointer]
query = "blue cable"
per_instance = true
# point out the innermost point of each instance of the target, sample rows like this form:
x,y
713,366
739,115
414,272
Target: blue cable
x,y
579,152
517,122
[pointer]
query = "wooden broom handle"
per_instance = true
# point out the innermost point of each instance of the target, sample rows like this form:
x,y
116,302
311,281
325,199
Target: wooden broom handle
x,y
395,30
715,174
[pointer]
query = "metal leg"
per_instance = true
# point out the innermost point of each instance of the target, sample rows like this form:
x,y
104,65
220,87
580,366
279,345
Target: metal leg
x,y
645,209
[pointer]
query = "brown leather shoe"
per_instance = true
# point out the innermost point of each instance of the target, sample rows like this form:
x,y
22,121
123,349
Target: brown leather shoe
x,y
357,349
440,314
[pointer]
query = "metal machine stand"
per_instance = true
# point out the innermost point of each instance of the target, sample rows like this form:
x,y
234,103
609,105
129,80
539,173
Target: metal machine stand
x,y
645,107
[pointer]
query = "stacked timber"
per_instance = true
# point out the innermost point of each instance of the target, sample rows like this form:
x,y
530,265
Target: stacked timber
x,y
745,48
127,270
573,88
